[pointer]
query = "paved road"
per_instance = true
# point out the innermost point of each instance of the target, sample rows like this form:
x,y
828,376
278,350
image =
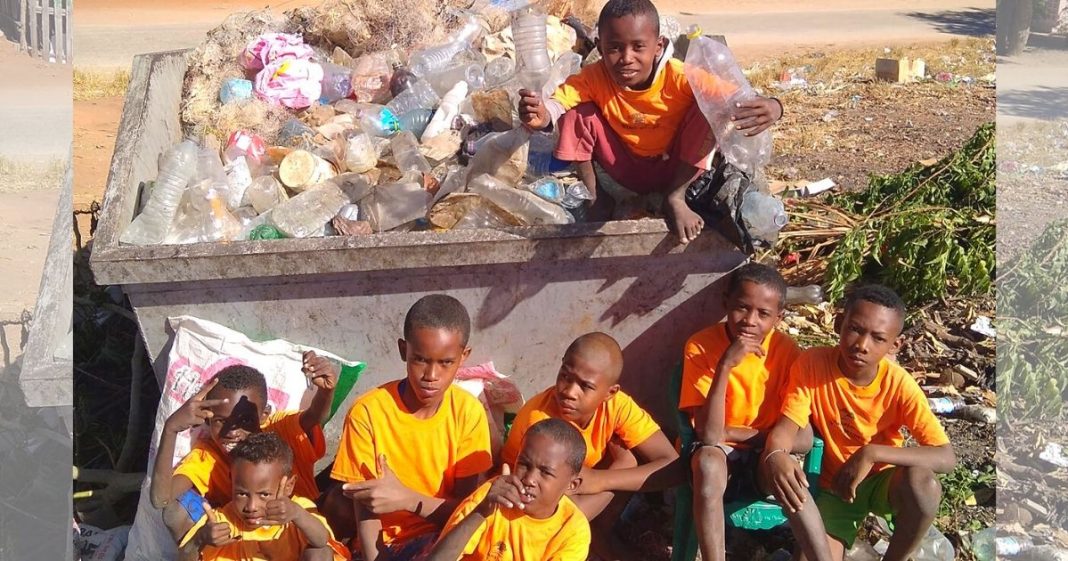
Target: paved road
x,y
1033,86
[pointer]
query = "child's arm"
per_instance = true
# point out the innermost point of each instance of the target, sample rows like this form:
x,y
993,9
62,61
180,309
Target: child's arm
x,y
281,510
165,487
662,469
788,481
368,529
939,459
505,491
711,416
387,494
323,375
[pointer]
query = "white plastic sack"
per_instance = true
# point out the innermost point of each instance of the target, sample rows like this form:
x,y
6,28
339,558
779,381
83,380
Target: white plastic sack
x,y
199,350
93,544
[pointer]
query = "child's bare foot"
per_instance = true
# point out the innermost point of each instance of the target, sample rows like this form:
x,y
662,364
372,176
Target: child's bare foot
x,y
682,221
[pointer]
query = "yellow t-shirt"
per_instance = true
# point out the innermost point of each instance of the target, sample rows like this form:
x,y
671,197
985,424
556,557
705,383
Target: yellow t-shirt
x,y
848,416
208,467
755,386
427,455
619,416
647,121
511,535
258,543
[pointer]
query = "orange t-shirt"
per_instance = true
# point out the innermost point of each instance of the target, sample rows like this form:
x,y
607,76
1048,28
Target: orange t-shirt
x,y
262,542
647,121
848,416
208,467
511,535
426,455
619,416
755,387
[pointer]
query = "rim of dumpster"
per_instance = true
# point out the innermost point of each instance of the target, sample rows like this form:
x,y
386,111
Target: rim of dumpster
x,y
115,263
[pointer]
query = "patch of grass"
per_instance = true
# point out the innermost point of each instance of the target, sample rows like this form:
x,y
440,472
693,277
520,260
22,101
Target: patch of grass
x,y
960,485
17,176
93,84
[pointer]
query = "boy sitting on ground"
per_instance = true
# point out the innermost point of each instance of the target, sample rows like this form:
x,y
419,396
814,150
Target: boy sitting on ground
x,y
634,113
264,520
858,400
234,405
734,374
524,514
587,395
411,449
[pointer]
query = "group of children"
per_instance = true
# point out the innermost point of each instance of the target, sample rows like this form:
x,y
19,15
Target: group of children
x,y
414,476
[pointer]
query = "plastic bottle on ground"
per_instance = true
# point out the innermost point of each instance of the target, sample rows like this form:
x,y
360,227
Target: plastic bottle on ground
x,y
393,204
499,71
378,120
470,73
416,121
336,83
306,214
427,61
419,95
360,154
264,193
988,546
934,547
958,408
496,149
209,165
529,207
447,111
811,294
238,179
406,153
764,215
178,168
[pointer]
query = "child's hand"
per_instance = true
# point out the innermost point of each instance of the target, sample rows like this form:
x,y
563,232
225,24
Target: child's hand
x,y
506,491
281,509
194,412
532,111
214,533
320,370
383,495
737,351
756,115
787,480
852,472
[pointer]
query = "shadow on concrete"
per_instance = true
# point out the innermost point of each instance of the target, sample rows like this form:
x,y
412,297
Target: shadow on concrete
x,y
1037,103
974,22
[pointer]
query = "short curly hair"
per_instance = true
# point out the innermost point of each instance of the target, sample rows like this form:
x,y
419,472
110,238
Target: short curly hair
x,y
615,9
242,377
438,311
264,448
564,433
762,275
876,294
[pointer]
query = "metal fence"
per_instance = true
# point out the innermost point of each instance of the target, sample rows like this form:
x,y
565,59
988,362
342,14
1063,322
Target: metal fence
x,y
42,27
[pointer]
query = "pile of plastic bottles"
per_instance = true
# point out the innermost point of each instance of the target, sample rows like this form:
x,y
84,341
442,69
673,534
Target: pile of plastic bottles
x,y
387,141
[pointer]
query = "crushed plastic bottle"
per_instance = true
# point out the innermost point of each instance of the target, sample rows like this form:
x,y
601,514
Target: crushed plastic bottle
x,y
499,71
306,214
176,171
360,154
527,206
264,193
811,295
427,61
378,120
988,546
203,217
495,150
958,408
416,121
719,85
238,179
419,95
764,215
447,111
934,547
336,83
406,153
394,204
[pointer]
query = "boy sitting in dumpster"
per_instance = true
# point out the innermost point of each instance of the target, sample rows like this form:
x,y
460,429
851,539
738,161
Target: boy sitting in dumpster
x,y
413,448
265,520
734,374
525,513
634,113
858,400
617,431
233,406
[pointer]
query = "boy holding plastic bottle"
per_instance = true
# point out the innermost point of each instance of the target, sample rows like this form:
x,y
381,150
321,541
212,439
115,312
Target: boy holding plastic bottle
x,y
858,400
634,113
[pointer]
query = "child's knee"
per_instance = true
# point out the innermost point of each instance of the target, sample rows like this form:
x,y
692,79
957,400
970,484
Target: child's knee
x,y
709,465
922,483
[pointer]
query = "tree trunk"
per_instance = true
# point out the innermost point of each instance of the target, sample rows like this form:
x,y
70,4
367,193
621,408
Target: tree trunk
x,y
1013,25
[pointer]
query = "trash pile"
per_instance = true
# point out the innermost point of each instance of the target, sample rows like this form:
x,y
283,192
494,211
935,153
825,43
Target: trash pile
x,y
302,142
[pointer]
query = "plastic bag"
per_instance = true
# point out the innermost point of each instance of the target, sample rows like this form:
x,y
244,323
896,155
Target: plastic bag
x,y
293,83
269,47
500,397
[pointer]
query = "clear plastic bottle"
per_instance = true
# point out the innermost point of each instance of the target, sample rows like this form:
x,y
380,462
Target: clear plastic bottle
x,y
499,71
442,82
264,193
988,546
529,33
360,154
377,120
238,178
447,111
177,169
529,207
494,150
209,165
336,84
419,95
540,160
406,153
764,215
416,121
394,204
958,408
709,66
306,214
427,61
811,294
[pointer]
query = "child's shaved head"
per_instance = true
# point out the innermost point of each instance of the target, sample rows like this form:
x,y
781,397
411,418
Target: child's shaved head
x,y
264,448
619,8
564,433
600,349
438,311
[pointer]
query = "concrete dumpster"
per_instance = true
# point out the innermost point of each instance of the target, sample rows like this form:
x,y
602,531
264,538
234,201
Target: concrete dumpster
x,y
530,290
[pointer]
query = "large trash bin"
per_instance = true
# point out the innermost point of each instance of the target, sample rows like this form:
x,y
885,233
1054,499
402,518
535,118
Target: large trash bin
x,y
530,290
